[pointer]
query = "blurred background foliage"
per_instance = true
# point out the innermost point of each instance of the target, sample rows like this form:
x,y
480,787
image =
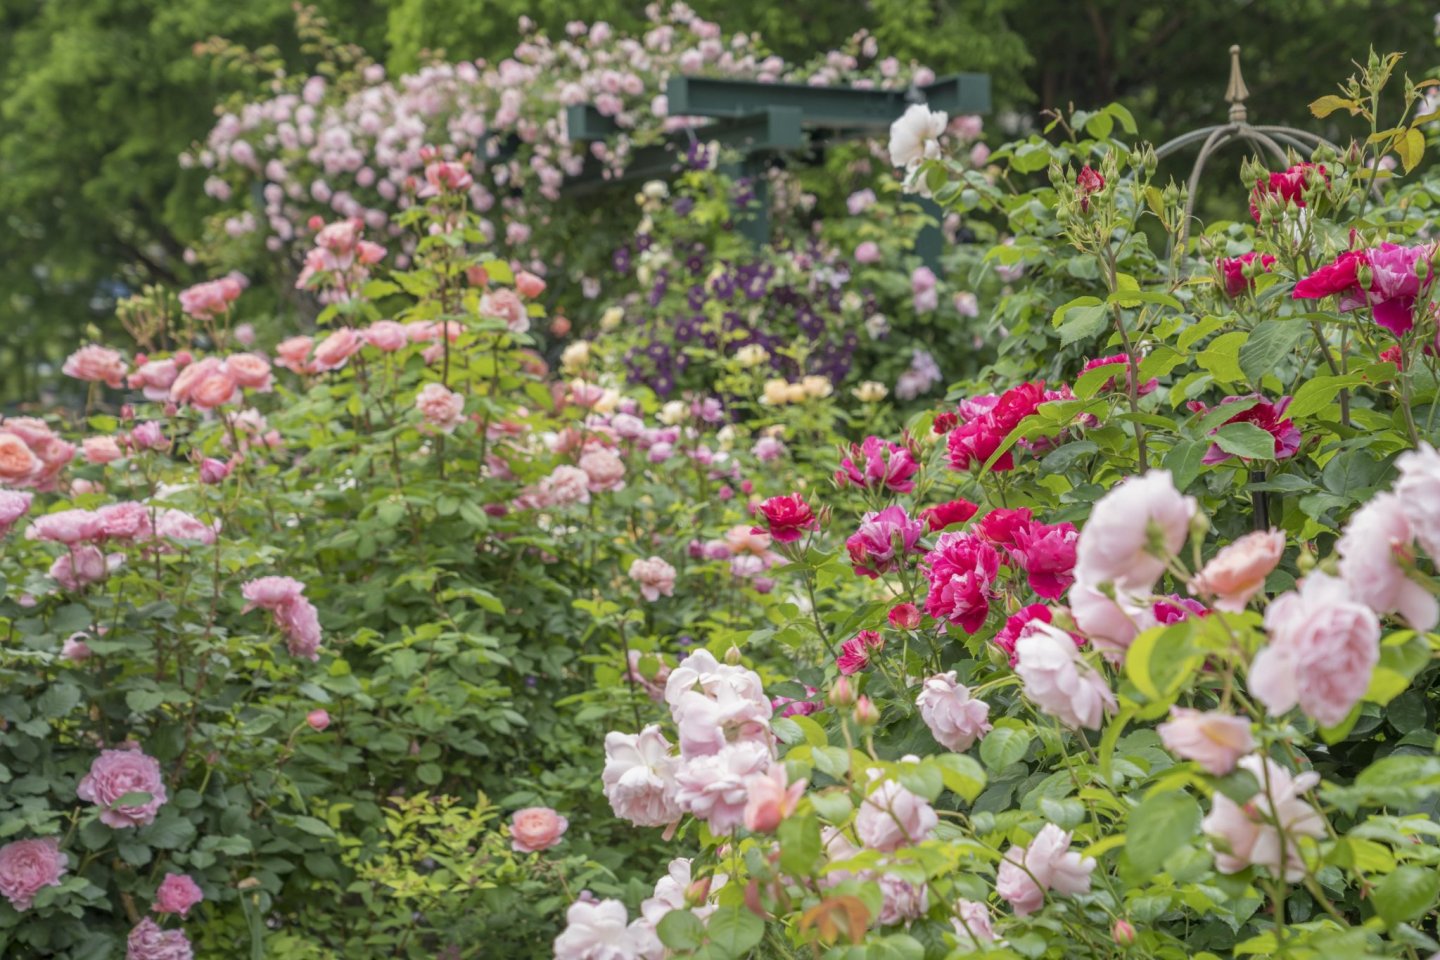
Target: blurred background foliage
x,y
98,97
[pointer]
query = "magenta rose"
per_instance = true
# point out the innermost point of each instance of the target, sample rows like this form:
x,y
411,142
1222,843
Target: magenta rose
x,y
117,773
787,517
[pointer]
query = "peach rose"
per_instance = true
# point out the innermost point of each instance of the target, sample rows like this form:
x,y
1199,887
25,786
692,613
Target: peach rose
x,y
101,449
536,828
505,305
96,364
17,463
250,371
294,354
215,390
1238,572
336,349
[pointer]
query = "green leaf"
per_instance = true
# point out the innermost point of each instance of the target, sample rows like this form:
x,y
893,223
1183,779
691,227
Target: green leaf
x,y
1184,461
680,930
1162,659
1003,746
1411,147
962,775
58,700
1317,393
1246,440
1268,344
1080,319
923,780
833,761
143,701
1405,894
315,827
732,931
799,844
1161,825
168,833
1222,358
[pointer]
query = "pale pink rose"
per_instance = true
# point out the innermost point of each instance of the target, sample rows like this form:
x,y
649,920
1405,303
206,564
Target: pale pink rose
x,y
536,828
1250,835
1214,740
81,567
177,893
900,900
599,931
604,470
1375,537
678,884
75,649
1110,625
18,463
215,390
155,378
386,335
69,527
336,350
115,773
1238,572
955,719
318,719
300,622
772,798
867,252
972,925
213,471
294,354
1047,863
701,671
1322,651
639,777
505,305
564,486
655,577
100,450
250,371
210,298
1114,545
528,285
13,506
654,686
126,520
27,867
892,817
442,409
712,787
96,364
245,334
149,435
149,942
179,525
1418,488
707,721
183,389
1059,681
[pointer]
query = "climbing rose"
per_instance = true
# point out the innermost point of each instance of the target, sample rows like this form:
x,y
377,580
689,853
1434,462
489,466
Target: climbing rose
x,y
1375,539
536,828
893,817
96,364
1418,489
877,463
442,408
1238,572
1250,835
639,777
712,787
1047,863
1323,648
1394,283
1232,271
855,653
1058,680
113,774
177,893
655,577
1214,740
28,866
787,517
955,718
1114,546
883,541
148,942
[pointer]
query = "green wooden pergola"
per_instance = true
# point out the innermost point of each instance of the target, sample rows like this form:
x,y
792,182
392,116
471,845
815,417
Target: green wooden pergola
x,y
760,121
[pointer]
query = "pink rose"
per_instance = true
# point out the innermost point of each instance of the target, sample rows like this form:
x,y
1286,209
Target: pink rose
x,y
884,540
904,616
955,718
1114,546
772,798
211,298
877,463
712,787
18,463
386,335
81,567
96,364
639,777
565,485
856,652
1238,572
115,773
529,285
1323,648
867,252
655,577
892,817
901,900
1250,835
505,305
149,942
961,571
126,520
1047,863
1233,271
27,867
294,354
318,719
1110,624
442,409
536,828
177,893
250,371
69,527
154,378
1214,740
270,593
1046,552
708,720
972,925
787,517
1418,488
75,649
336,350
179,525
13,506
598,931
149,435
1058,680
213,471
604,470
1376,537
100,450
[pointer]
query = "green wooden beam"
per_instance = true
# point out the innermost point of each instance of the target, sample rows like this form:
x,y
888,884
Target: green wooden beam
x,y
842,107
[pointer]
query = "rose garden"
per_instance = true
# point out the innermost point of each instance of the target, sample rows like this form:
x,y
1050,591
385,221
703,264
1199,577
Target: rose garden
x,y
919,541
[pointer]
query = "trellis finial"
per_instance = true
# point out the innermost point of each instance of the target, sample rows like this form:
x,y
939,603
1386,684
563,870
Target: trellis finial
x,y
1236,93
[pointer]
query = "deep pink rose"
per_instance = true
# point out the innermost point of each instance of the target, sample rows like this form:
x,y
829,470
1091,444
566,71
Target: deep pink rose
x,y
1233,271
1269,417
884,540
1047,554
856,652
115,773
877,463
1288,185
787,517
961,571
948,514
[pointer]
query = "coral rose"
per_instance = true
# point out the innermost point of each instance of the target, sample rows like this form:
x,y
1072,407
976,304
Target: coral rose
x,y
1238,572
536,828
